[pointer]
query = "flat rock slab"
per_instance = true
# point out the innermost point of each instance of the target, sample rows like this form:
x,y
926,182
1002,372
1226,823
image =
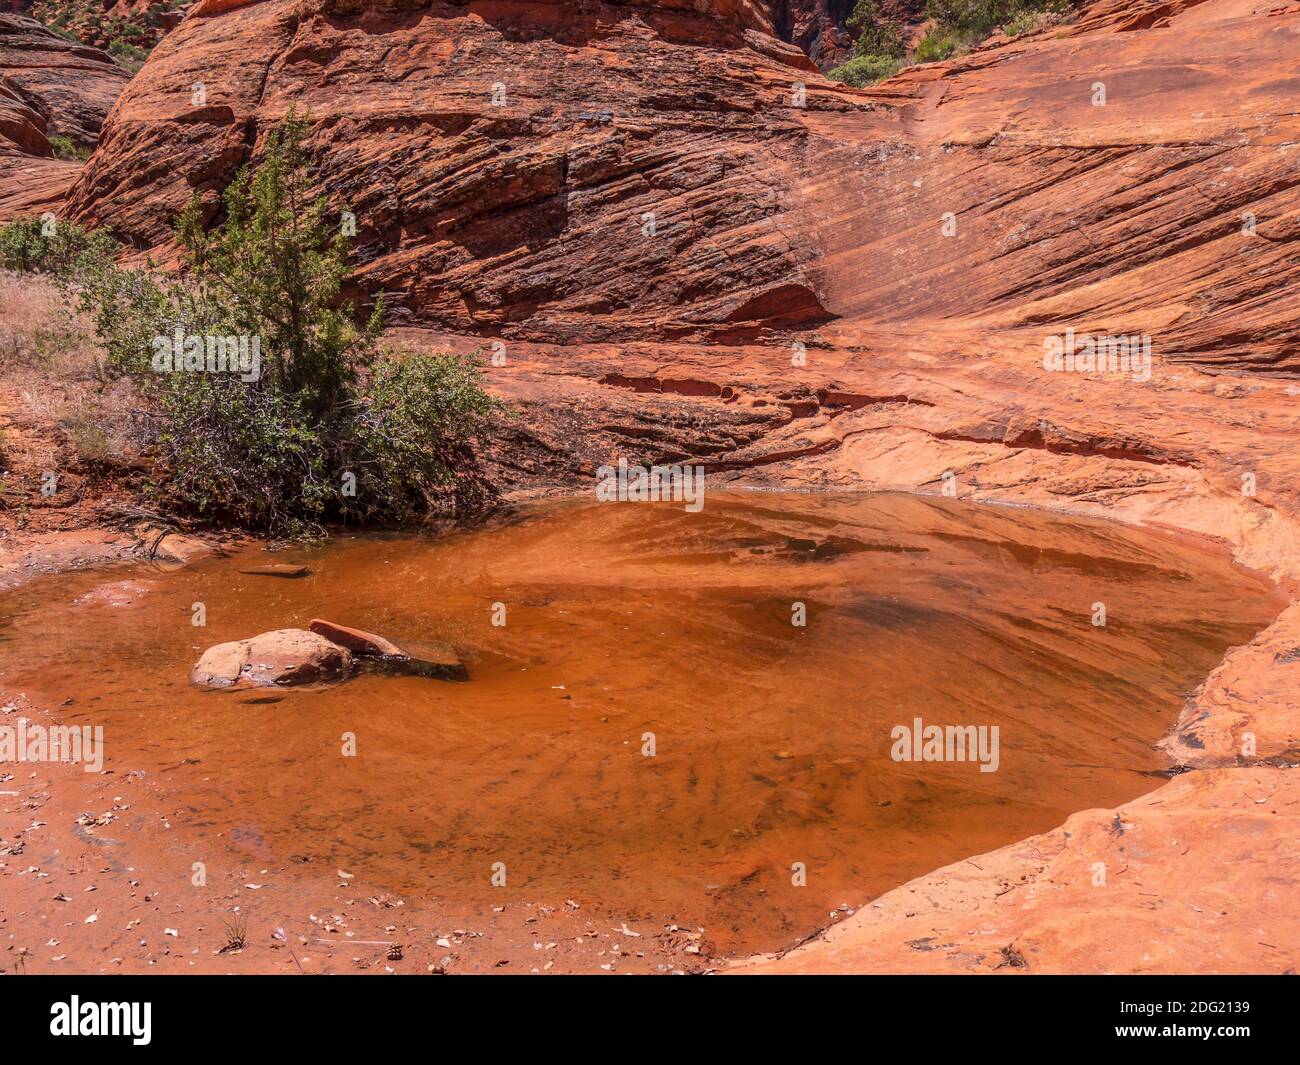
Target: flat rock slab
x,y
358,641
277,569
283,657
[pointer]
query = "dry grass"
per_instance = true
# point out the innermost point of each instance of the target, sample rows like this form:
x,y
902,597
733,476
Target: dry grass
x,y
61,408
236,931
60,414
38,333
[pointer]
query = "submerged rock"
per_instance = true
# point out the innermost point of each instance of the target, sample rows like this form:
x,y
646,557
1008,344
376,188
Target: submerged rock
x,y
431,659
116,594
175,547
277,569
282,657
437,661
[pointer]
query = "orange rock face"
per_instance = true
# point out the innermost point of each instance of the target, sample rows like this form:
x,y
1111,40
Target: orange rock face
x,y
48,86
630,172
69,86
544,171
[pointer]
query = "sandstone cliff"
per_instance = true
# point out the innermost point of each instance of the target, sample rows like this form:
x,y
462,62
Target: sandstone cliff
x,y
507,163
49,87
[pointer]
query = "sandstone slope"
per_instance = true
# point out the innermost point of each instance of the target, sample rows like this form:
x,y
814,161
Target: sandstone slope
x,y
49,87
526,216
72,87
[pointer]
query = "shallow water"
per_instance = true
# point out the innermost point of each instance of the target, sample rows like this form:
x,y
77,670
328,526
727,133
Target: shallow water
x,y
772,741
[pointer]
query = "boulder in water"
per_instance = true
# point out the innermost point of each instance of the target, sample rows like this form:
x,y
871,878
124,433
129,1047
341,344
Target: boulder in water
x,y
282,657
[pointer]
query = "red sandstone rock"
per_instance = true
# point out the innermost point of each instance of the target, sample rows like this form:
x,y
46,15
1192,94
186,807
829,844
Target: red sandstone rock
x,y
525,219
358,641
72,87
48,87
21,124
283,657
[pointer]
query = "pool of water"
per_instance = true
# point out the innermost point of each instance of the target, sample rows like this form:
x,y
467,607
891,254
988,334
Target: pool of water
x,y
649,732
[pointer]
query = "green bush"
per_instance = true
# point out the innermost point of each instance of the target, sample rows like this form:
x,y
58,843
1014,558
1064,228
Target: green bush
x,y
412,424
327,425
938,44
245,455
129,308
958,25
976,19
45,245
877,36
864,70
67,148
129,55
1028,21
275,268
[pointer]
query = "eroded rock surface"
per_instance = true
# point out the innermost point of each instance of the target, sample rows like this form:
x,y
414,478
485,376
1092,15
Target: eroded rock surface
x,y
49,86
70,86
570,172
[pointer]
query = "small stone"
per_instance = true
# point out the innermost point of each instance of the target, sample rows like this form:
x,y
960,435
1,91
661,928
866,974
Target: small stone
x,y
277,569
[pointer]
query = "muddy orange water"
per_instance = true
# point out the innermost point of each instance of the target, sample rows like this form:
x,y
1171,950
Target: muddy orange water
x,y
636,624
